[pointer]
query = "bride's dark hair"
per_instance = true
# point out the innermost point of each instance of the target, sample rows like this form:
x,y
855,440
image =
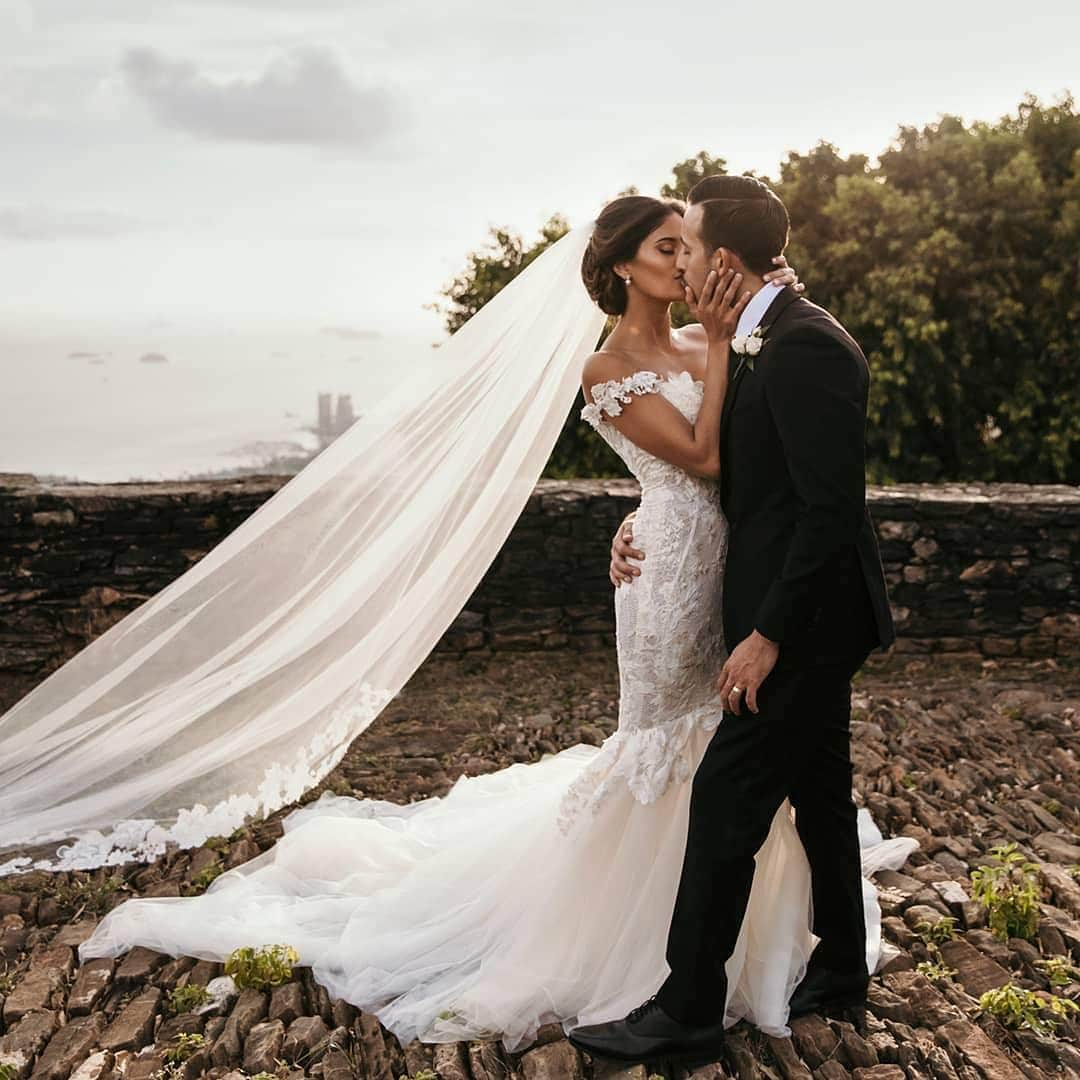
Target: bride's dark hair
x,y
620,228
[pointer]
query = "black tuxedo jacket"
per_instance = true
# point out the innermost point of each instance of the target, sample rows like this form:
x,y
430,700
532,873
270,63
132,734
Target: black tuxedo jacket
x,y
801,543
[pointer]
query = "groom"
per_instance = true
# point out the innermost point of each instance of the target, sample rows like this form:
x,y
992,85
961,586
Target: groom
x,y
804,605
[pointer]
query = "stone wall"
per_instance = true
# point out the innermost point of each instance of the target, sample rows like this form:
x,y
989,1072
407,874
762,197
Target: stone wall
x,y
987,569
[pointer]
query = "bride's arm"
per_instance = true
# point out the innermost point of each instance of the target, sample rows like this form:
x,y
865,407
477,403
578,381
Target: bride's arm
x,y
653,423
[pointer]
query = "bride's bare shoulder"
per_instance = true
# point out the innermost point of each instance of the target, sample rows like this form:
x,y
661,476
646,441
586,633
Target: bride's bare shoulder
x,y
605,365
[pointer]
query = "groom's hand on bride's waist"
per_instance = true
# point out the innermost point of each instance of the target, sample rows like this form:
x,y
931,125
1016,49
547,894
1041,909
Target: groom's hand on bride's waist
x,y
622,549
747,667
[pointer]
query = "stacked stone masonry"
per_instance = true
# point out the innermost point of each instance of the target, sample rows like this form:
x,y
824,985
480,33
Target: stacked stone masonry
x,y
972,569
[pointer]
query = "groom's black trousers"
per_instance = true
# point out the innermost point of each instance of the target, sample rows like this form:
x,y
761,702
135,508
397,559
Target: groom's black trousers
x,y
796,745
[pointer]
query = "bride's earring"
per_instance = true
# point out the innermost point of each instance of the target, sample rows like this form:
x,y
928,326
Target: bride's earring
x,y
627,279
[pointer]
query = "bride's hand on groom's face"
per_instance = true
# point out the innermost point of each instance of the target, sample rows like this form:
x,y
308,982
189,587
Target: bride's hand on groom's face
x,y
747,667
782,275
622,549
720,304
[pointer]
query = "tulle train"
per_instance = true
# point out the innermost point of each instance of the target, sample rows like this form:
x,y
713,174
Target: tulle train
x,y
473,914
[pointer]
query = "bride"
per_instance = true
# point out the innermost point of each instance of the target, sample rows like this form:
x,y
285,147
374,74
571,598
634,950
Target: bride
x,y
541,892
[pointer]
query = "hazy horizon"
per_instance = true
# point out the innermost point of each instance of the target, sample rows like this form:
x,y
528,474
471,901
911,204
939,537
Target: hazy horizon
x,y
219,401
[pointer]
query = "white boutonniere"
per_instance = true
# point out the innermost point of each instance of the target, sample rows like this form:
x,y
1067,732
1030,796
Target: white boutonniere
x,y
749,345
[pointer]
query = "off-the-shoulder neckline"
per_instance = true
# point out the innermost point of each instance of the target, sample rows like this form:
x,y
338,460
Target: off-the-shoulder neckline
x,y
670,376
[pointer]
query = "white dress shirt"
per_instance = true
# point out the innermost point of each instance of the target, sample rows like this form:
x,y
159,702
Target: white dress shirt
x,y
754,312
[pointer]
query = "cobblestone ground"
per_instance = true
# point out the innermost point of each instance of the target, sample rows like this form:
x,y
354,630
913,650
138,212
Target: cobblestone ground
x,y
963,758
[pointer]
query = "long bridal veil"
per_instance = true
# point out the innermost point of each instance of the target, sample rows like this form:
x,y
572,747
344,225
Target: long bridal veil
x,y
241,684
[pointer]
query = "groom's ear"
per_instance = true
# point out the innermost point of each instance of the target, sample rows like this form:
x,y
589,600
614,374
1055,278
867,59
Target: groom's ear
x,y
721,260
726,259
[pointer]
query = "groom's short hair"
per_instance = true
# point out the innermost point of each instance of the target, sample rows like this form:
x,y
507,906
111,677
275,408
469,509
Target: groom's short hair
x,y
744,215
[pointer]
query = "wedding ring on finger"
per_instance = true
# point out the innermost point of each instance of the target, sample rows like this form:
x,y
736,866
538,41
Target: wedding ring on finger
x,y
735,691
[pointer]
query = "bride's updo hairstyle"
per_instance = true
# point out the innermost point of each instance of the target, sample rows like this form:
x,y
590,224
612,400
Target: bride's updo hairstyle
x,y
620,229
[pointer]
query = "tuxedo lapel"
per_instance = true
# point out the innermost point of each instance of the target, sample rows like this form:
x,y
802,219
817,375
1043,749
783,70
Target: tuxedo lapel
x,y
732,390
787,297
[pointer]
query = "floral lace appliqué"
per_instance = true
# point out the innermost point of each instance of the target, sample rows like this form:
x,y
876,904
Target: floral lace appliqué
x,y
646,760
609,397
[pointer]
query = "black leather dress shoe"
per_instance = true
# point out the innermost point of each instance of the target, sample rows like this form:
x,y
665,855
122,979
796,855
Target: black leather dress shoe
x,y
647,1033
836,993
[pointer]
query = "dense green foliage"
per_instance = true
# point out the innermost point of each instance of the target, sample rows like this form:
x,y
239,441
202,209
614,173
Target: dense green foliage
x,y
954,260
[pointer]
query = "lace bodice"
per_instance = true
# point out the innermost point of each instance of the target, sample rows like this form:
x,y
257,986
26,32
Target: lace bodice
x,y
669,633
681,389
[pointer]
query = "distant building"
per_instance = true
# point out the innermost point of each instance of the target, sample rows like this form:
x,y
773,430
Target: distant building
x,y
325,427
332,422
344,417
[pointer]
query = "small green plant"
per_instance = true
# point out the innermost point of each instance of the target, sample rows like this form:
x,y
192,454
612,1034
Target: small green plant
x,y
1058,970
937,932
262,967
1052,806
203,878
185,1045
86,894
1021,1010
216,843
188,998
9,1072
935,970
908,781
423,1074
8,975
934,934
1009,887
1074,870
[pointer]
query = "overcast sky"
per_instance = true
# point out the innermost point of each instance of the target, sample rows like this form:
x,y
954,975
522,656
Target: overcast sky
x,y
312,162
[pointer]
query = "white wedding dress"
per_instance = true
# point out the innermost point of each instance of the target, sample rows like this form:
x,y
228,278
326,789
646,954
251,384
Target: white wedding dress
x,y
541,892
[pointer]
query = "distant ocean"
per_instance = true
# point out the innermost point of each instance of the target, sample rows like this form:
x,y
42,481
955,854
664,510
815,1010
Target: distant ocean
x,y
95,410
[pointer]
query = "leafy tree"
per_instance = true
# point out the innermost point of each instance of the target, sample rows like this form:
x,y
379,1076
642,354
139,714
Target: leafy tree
x,y
952,260
687,173
488,270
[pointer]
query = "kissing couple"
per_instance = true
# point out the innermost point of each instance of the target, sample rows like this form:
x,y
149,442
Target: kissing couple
x,y
707,863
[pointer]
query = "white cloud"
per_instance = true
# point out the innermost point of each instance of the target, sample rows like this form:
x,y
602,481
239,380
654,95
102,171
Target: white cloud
x,y
16,15
304,96
513,112
349,333
49,223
